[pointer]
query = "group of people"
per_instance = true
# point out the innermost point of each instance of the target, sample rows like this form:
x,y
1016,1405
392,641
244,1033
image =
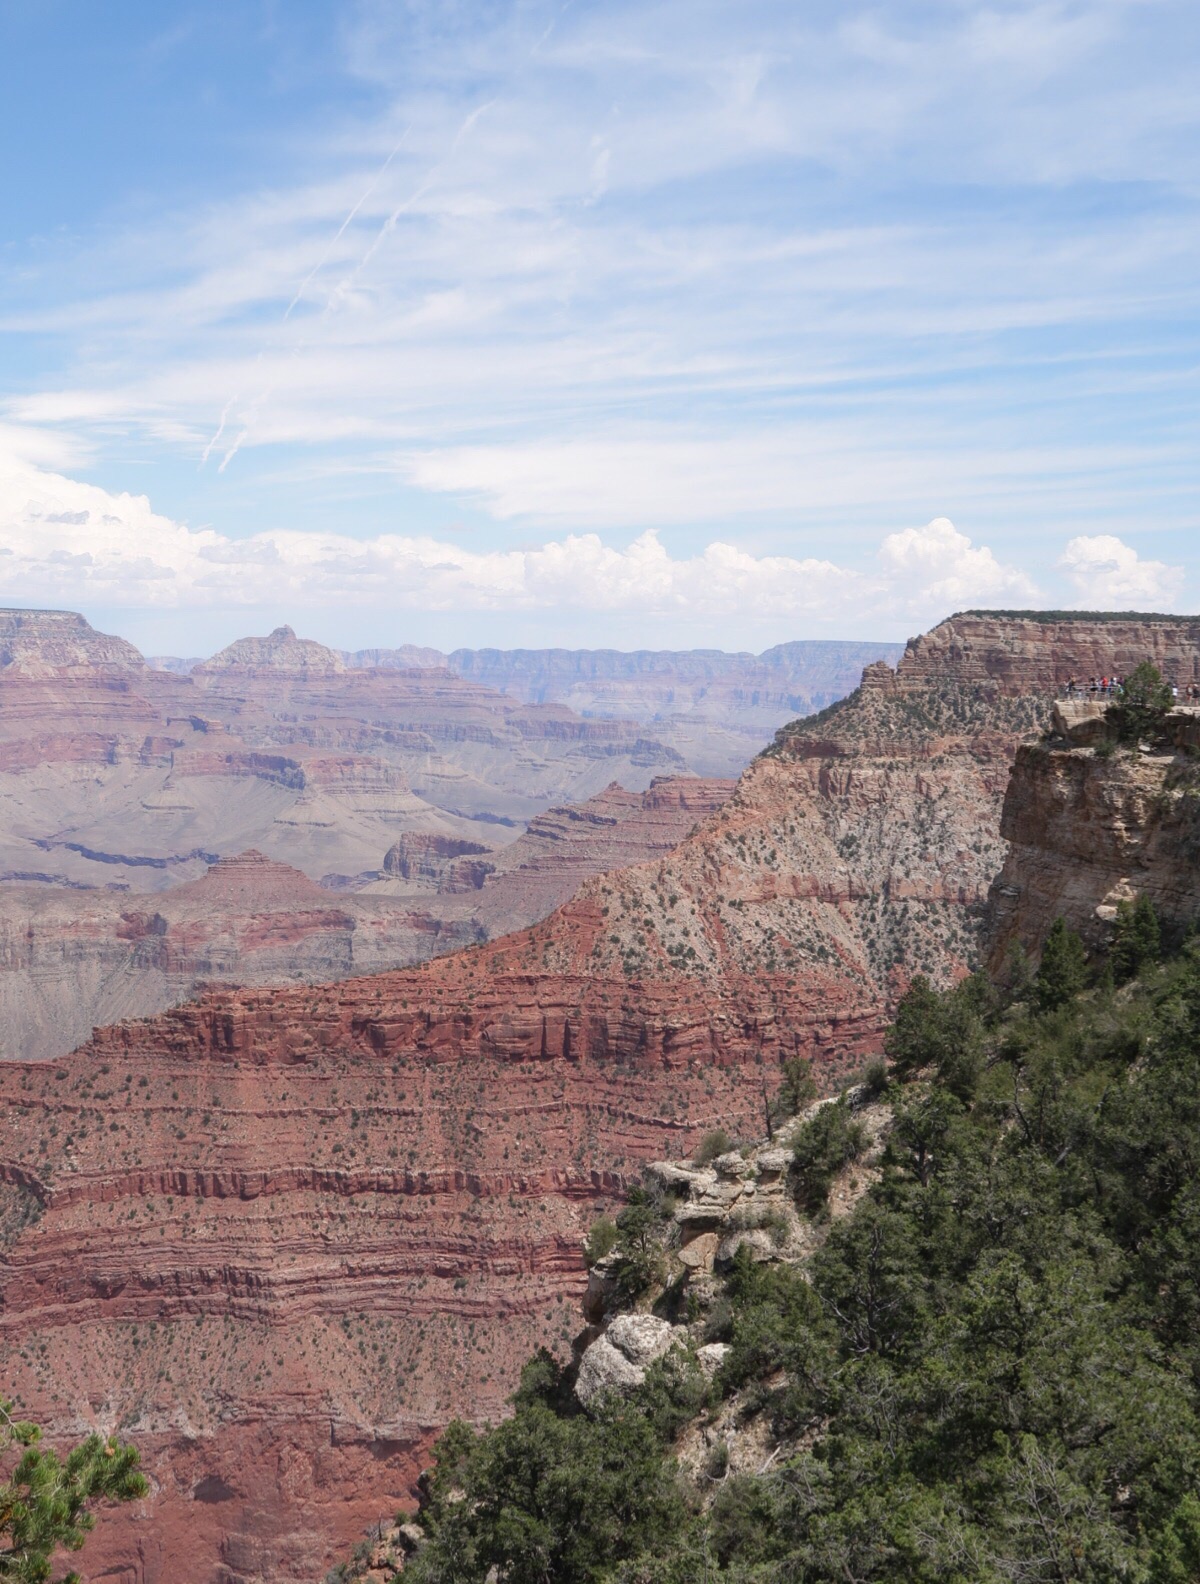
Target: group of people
x,y
1113,687
1096,687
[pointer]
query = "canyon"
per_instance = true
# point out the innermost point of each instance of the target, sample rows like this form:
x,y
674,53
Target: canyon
x,y
120,779
72,959
714,708
280,1235
117,775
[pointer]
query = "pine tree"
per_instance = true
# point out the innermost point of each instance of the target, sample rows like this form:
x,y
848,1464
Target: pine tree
x,y
1137,940
44,1501
1062,972
1144,704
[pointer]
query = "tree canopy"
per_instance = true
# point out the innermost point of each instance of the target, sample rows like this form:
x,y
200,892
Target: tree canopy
x,y
1144,703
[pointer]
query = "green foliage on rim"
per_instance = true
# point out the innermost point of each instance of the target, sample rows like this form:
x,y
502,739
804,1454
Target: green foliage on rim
x,y
990,1369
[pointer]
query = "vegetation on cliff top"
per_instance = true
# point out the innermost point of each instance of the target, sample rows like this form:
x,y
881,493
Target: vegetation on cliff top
x,y
989,1370
1053,617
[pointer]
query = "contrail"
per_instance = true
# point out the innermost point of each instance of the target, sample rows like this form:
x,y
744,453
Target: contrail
x,y
333,242
339,291
233,449
301,289
390,223
220,429
469,123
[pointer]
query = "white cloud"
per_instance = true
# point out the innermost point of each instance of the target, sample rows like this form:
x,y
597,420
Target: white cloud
x,y
1110,575
64,542
936,567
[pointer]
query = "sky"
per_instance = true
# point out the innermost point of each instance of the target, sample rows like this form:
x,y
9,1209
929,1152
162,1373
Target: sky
x,y
666,323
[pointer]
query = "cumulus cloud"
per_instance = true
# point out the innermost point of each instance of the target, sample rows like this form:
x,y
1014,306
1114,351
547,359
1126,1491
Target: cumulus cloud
x,y
1109,574
938,567
65,542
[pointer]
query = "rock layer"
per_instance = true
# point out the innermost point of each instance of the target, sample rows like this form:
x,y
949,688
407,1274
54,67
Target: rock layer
x,y
73,959
70,960
116,774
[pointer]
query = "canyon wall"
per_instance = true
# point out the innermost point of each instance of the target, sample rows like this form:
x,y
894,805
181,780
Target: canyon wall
x,y
114,774
279,1236
1090,828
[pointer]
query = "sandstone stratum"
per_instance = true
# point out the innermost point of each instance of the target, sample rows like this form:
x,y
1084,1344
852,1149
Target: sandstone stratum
x,y
281,1236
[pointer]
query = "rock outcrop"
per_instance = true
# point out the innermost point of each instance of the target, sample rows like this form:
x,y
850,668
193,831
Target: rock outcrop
x,y
1091,826
279,652
53,643
1040,652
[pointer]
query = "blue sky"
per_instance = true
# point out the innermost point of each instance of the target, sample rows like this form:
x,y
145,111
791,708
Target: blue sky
x,y
657,323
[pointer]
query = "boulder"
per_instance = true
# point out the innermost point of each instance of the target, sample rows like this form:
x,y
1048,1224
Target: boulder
x,y
711,1356
642,1338
617,1360
604,1369
733,1164
773,1162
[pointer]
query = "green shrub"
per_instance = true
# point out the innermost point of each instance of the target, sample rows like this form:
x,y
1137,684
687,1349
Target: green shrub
x,y
713,1144
641,1263
827,1142
601,1240
797,1090
875,1077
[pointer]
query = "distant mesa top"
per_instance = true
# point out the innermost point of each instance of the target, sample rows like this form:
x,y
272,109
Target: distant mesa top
x,y
38,643
280,650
